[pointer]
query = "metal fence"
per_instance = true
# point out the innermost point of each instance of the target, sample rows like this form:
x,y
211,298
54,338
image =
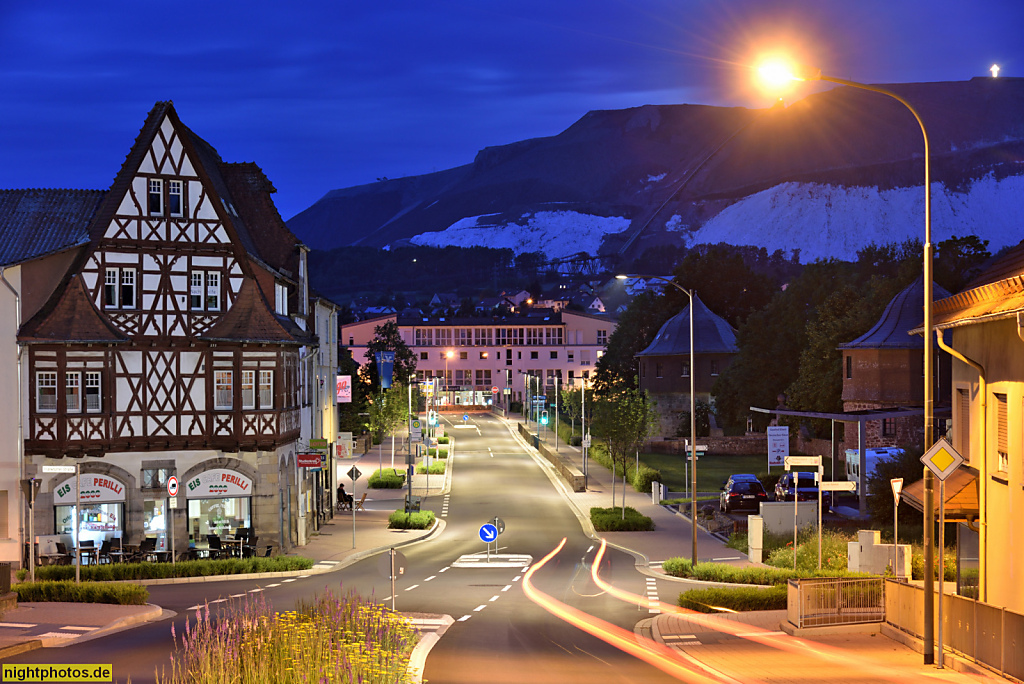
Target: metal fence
x,y
823,601
987,634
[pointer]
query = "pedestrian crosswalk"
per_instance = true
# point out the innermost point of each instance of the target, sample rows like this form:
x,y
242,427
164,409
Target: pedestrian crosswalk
x,y
444,506
653,602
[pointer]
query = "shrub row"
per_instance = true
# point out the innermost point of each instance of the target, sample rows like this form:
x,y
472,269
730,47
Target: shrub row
x,y
420,520
734,598
718,572
611,520
87,592
443,439
197,568
437,453
388,478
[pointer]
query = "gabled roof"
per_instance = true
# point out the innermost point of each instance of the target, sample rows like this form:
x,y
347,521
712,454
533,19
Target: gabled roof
x,y
70,317
250,320
713,335
902,314
35,223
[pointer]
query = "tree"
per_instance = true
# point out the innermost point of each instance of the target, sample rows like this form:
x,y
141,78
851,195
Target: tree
x,y
723,281
388,410
880,499
572,404
386,337
624,419
958,261
349,414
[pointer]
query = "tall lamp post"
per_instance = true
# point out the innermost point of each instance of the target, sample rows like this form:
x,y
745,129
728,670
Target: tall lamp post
x,y
447,380
693,414
778,74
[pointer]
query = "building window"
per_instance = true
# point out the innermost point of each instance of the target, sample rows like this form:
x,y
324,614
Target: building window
x,y
483,355
962,433
483,378
266,389
602,337
423,356
92,392
119,288
849,367
684,370
554,355
534,355
156,194
571,356
175,197
222,390
248,389
714,368
204,290
46,392
463,355
657,369
888,426
281,299
155,478
1002,447
73,392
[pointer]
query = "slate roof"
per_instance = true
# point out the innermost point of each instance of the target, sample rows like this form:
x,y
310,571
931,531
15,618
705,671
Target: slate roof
x,y
250,320
272,242
35,223
72,318
712,333
902,314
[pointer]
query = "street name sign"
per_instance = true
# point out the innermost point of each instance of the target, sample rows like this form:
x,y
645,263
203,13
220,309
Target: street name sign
x,y
838,486
59,469
803,461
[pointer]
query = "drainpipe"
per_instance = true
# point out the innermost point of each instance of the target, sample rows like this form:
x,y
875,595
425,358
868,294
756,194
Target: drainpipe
x,y
983,470
21,441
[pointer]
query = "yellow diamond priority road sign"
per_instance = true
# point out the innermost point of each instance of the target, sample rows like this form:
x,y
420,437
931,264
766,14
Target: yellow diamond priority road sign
x,y
942,459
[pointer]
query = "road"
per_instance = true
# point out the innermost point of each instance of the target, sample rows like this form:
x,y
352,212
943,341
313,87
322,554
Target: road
x,y
499,635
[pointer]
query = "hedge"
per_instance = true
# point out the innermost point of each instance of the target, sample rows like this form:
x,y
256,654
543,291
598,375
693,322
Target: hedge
x,y
87,592
436,468
388,478
734,598
751,574
420,520
611,520
196,568
437,453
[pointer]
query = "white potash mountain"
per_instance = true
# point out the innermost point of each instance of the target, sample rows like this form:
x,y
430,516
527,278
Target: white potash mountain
x,y
826,176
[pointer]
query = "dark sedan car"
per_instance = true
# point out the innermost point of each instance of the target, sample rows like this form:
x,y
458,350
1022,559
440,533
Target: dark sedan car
x,y
807,489
741,494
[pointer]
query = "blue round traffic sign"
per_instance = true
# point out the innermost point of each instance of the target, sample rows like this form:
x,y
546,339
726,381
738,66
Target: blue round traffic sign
x,y
488,532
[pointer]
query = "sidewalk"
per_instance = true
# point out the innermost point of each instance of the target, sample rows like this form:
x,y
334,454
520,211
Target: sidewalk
x,y
36,625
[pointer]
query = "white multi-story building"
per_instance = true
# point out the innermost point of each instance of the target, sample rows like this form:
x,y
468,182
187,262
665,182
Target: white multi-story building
x,y
475,356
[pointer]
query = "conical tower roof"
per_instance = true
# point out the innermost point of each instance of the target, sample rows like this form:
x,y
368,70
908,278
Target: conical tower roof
x,y
904,313
712,333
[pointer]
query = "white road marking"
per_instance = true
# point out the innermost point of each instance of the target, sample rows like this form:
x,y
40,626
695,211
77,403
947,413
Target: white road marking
x,y
271,586
591,548
218,601
479,608
79,629
444,569
507,587
16,625
256,590
747,635
725,559
56,635
412,587
464,618
430,578
237,595
289,580
495,598
517,579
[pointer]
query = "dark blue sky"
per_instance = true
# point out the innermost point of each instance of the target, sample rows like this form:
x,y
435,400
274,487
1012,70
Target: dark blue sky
x,y
328,94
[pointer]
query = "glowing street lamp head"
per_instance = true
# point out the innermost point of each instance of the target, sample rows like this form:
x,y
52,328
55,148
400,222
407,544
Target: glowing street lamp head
x,y
449,354
777,73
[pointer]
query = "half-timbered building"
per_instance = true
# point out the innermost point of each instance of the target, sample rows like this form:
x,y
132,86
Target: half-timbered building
x,y
178,340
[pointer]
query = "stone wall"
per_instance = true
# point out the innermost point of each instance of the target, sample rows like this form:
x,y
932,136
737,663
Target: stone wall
x,y
736,446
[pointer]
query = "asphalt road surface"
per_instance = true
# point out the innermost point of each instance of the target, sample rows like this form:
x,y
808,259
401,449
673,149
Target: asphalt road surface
x,y
499,634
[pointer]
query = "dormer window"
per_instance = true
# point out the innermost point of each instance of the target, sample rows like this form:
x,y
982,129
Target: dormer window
x,y
281,299
156,196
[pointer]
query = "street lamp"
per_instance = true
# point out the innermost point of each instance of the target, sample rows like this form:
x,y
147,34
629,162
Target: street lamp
x,y
693,414
777,73
447,380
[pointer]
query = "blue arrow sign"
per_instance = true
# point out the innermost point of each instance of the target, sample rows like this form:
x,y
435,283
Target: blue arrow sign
x,y
488,533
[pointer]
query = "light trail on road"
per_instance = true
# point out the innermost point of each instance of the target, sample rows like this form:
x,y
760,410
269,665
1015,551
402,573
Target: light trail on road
x,y
661,657
788,643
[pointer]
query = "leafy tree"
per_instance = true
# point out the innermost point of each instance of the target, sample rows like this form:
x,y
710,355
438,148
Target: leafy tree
x,y
958,261
880,501
572,404
703,411
723,281
624,419
386,337
388,410
349,418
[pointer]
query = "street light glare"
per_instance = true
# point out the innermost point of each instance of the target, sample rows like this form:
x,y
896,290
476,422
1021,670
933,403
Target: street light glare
x,y
776,73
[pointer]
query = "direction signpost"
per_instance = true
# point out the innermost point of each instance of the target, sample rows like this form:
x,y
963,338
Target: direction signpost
x,y
489,532
897,487
804,461
354,474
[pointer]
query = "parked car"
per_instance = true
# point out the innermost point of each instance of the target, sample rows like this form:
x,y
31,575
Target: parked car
x,y
807,489
742,493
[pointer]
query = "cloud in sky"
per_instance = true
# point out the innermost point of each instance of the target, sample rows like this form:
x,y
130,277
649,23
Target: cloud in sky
x,y
330,94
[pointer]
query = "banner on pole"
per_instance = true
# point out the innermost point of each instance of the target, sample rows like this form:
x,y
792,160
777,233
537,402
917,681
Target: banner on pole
x,y
385,367
344,389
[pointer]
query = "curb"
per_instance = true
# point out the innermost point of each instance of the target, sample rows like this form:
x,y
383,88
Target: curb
x,y
23,647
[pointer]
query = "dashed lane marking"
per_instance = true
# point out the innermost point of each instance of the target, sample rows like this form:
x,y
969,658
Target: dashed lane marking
x,y
495,598
507,587
412,587
430,578
271,586
479,608
464,618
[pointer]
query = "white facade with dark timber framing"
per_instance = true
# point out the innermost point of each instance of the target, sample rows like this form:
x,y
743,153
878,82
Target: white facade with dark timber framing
x,y
178,340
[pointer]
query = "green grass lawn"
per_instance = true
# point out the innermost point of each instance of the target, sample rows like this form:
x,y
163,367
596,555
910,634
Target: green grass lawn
x,y
712,470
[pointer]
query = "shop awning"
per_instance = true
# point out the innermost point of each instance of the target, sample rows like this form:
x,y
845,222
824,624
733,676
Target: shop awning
x,y
961,495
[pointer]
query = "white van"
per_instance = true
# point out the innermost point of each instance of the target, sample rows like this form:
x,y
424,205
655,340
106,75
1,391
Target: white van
x,y
872,456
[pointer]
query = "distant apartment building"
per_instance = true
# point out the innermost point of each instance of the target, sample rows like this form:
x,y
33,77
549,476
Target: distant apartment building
x,y
473,356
